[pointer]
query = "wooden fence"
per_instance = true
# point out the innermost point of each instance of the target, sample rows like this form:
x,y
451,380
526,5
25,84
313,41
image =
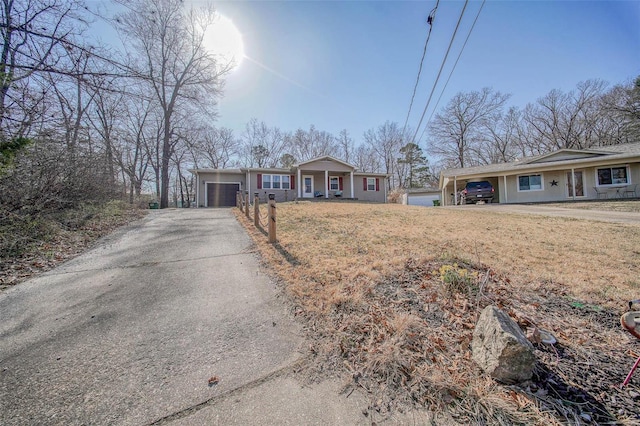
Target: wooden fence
x,y
262,221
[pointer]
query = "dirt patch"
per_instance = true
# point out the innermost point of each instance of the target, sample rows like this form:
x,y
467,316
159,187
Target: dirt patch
x,y
390,296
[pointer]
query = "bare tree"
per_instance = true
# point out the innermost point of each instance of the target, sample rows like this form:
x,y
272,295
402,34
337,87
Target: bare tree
x,y
218,146
567,120
501,145
35,35
385,142
346,144
366,160
312,143
459,128
172,60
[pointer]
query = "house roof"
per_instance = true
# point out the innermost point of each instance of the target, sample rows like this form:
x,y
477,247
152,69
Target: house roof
x,y
324,158
557,160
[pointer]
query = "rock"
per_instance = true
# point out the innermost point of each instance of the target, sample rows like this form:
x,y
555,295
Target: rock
x,y
501,349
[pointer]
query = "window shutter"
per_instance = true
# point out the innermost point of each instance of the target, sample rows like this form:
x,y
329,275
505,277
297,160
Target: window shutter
x,y
364,183
259,180
293,181
340,183
377,184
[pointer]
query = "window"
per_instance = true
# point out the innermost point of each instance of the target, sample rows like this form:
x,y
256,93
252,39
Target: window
x,y
334,183
371,184
275,181
530,183
613,176
285,182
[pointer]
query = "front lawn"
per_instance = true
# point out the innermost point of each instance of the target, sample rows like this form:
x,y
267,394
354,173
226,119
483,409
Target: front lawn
x,y
390,295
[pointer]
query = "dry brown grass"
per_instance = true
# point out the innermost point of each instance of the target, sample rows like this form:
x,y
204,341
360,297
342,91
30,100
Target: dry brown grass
x,y
596,261
370,282
608,205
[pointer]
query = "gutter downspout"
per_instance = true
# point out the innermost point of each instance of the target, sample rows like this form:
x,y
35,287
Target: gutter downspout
x,y
299,183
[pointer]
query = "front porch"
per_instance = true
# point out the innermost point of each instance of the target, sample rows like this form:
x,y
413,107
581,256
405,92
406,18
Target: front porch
x,y
325,178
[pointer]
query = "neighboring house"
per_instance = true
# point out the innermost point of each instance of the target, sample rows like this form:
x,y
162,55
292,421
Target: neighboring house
x,y
323,177
567,174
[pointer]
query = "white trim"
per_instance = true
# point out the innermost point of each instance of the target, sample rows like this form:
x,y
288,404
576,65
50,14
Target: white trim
x,y
613,185
326,184
299,183
197,190
271,181
530,174
206,191
302,184
337,182
351,177
506,196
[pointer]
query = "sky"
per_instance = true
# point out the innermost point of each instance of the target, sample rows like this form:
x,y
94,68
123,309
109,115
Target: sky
x,y
353,64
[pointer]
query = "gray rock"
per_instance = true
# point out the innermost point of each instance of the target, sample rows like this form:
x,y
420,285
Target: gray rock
x,y
500,347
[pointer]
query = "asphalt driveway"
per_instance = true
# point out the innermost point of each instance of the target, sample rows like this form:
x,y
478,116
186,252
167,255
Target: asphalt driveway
x,y
132,332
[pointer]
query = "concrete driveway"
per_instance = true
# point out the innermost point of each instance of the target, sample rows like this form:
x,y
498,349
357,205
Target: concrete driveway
x,y
544,210
132,331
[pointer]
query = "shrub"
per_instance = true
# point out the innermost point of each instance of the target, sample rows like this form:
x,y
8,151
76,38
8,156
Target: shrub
x,y
458,280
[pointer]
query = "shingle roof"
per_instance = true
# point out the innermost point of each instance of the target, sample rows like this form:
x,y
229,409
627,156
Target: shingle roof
x,y
602,153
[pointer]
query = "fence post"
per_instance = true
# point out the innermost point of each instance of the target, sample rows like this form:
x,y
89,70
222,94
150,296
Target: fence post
x,y
256,210
246,204
272,218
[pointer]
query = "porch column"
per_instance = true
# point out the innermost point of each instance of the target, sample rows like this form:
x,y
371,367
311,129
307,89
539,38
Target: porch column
x,y
248,178
506,197
455,190
326,183
573,183
351,177
197,189
299,183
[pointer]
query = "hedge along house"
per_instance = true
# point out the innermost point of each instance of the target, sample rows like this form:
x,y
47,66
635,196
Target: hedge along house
x,y
563,175
319,178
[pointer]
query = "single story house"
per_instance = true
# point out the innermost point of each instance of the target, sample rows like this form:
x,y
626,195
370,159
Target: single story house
x,y
320,178
566,174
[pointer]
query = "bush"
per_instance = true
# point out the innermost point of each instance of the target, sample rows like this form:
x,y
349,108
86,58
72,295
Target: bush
x,y
395,196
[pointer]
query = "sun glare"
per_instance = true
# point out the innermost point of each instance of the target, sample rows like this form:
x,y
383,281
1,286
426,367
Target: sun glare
x,y
225,41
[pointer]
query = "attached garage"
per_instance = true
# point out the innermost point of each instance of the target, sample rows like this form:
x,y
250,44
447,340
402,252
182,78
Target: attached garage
x,y
222,194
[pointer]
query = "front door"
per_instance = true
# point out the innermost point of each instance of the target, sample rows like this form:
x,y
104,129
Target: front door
x,y
307,186
579,184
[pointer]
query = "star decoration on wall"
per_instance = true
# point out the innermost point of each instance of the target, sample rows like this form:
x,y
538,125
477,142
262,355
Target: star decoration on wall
x,y
554,183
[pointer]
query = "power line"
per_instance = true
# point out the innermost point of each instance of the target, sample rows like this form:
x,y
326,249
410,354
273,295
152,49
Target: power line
x,y
430,20
453,69
453,36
